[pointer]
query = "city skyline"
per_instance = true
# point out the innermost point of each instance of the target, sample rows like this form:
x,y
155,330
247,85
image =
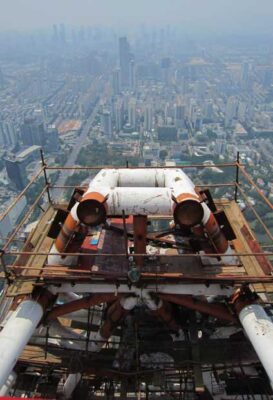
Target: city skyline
x,y
211,16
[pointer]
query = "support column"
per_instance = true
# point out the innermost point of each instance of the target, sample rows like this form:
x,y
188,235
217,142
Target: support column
x,y
257,325
16,334
70,384
140,233
259,329
9,384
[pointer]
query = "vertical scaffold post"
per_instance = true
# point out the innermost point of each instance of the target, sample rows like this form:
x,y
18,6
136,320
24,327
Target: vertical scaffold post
x,y
237,176
45,175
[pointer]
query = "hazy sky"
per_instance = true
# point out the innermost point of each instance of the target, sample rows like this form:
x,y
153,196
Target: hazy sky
x,y
221,15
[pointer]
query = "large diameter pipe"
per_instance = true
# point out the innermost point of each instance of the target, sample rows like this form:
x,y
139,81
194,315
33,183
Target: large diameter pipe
x,y
70,384
259,329
5,389
140,192
16,334
95,206
64,237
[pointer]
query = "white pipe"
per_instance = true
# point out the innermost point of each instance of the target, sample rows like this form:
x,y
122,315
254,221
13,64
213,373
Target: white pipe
x,y
55,259
16,334
66,297
8,384
232,259
70,384
179,182
259,329
154,177
141,178
141,200
128,303
193,289
60,336
150,302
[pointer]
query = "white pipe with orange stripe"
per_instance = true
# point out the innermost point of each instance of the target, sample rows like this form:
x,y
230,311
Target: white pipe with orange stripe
x,y
64,237
211,229
139,192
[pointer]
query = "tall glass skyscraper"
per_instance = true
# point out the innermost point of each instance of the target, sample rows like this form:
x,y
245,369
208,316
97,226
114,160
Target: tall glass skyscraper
x,y
124,61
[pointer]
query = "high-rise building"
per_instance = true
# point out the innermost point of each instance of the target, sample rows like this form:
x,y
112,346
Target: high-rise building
x,y
32,132
242,108
106,123
124,61
132,76
231,110
16,166
180,114
148,117
116,82
132,113
208,109
52,142
8,135
119,115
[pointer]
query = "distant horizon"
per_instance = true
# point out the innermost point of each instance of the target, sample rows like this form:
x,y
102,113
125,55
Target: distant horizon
x,y
194,16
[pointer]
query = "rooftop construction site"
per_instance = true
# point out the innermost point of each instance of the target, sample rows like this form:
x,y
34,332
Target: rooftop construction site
x,y
145,284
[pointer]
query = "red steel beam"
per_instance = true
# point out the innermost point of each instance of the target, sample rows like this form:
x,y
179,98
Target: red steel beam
x,y
83,303
216,310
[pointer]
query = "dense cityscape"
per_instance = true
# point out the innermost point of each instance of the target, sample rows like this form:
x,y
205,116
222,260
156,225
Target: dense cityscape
x,y
89,97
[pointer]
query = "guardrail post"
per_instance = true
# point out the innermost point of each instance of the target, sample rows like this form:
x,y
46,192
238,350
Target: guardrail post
x,y
45,175
237,177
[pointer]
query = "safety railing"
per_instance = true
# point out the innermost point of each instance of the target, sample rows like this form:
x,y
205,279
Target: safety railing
x,y
237,188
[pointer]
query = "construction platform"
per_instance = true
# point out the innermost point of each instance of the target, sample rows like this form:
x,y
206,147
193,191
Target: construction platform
x,y
199,285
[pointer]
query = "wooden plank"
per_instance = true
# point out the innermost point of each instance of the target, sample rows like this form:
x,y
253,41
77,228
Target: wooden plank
x,y
250,263
37,355
42,244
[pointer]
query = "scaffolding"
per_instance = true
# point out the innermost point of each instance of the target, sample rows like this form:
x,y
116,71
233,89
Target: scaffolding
x,y
25,268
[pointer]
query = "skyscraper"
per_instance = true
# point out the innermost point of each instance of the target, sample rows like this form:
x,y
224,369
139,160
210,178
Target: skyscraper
x,y
116,82
119,115
148,117
180,114
132,75
124,61
32,132
8,135
106,123
132,113
231,110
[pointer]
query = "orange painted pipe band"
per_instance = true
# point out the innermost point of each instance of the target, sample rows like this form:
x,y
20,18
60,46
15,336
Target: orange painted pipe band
x,y
216,235
186,196
94,196
92,210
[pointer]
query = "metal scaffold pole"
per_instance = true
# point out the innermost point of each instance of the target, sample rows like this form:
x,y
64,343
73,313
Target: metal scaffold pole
x,y
237,176
45,176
